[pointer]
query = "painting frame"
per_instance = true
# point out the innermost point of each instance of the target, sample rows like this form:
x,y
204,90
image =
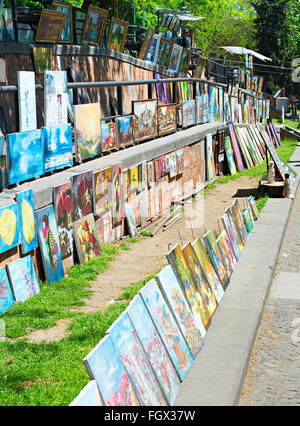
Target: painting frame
x,y
57,5
99,35
146,44
185,63
45,15
163,59
123,24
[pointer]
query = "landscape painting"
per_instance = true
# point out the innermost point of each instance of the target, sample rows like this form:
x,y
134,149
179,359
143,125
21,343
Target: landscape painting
x,y
164,52
62,201
145,119
25,200
10,232
87,130
6,296
86,238
152,53
185,61
27,101
108,136
117,34
146,43
229,156
124,130
167,119
82,194
102,191
188,113
57,147
23,278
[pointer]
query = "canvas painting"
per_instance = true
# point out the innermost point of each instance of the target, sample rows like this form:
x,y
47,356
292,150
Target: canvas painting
x,y
199,71
124,130
188,113
23,278
135,361
49,244
146,43
10,232
25,201
175,58
6,27
210,158
184,276
236,149
199,109
86,238
88,397
226,250
208,269
115,385
216,258
164,52
118,193
173,165
229,156
168,329
117,34
87,130
163,90
102,191
247,220
6,296
150,173
3,163
50,26
237,216
27,101
181,309
94,25
185,61
152,53
254,209
134,179
57,147
62,200
43,59
108,137
234,226
25,155
231,235
157,169
66,35
185,90
131,220
82,194
180,161
126,180
55,98
167,121
145,119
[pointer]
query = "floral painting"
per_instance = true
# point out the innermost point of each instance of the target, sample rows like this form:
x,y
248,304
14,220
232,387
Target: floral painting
x,y
82,194
86,238
63,214
23,278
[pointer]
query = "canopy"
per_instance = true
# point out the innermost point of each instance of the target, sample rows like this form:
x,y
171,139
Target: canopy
x,y
243,51
183,16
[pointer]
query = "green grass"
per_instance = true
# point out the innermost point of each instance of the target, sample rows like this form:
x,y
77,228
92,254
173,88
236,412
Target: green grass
x,y
292,123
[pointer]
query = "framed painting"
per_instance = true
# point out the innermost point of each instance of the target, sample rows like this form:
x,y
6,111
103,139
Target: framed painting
x,y
88,397
10,232
86,238
115,385
146,43
168,328
124,130
145,119
62,200
216,258
130,220
188,113
25,155
3,163
135,361
25,200
50,26
87,130
117,34
102,191
166,117
43,59
185,61
7,32
27,101
108,140
118,213
175,58
58,149
82,194
154,348
23,278
199,71
94,26
49,244
66,35
164,53
55,98
6,295
231,233
153,50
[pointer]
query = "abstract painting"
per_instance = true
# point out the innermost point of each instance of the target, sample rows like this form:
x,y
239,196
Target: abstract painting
x,y
23,278
43,59
124,130
229,155
254,209
58,149
102,191
168,329
55,98
82,194
226,251
163,90
25,155
130,219
6,296
164,53
50,26
199,109
62,200
155,348
115,385
247,220
216,258
27,101
25,202
236,149
234,227
49,244
86,238
3,163
118,213
117,34
108,141
231,233
210,158
145,119
167,120
175,58
94,26
87,130
66,35
181,309
10,232
237,216
88,397
188,113
135,361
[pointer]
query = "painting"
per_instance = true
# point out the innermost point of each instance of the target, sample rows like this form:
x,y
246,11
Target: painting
x,y
146,43
25,156
88,397
231,233
226,251
164,53
10,232
188,113
185,90
153,50
163,90
86,238
115,385
118,213
130,220
236,149
66,35
108,141
247,219
175,58
168,329
102,191
25,200
49,244
185,61
43,59
175,298
55,98
134,179
23,278
124,130
216,258
180,161
58,149
210,273
87,130
6,296
199,109
229,156
234,225
7,27
3,163
150,173
173,165
145,119
167,120
199,278
199,71
82,194
50,26
62,200
157,169
237,216
135,361
27,101
210,166
184,276
94,26
254,209
117,34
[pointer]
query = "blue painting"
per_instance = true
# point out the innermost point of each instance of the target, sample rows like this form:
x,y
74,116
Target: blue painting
x,y
104,365
23,278
49,244
29,236
6,296
88,397
10,233
135,361
167,327
154,348
25,155
57,147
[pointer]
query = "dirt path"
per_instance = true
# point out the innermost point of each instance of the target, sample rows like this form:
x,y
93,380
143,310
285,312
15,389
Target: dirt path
x,y
149,254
